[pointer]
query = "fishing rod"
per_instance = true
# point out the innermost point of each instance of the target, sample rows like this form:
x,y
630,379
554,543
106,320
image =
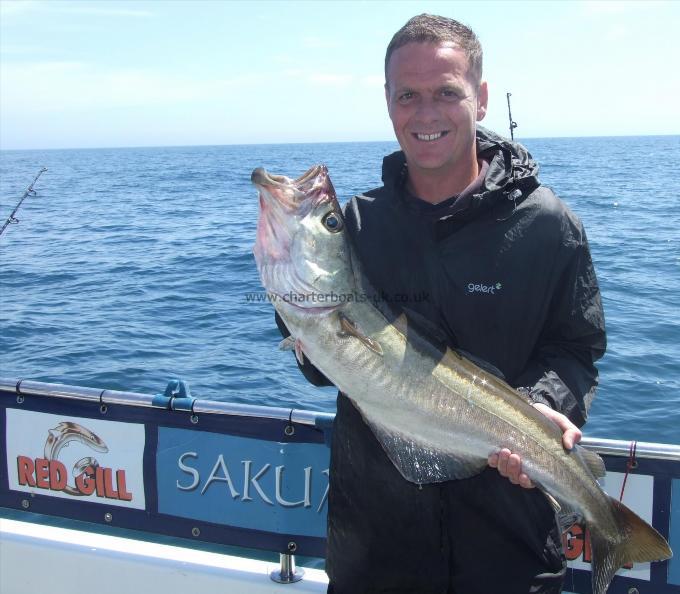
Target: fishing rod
x,y
513,124
11,219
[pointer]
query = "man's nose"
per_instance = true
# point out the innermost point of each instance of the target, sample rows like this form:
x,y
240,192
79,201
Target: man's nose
x,y
427,110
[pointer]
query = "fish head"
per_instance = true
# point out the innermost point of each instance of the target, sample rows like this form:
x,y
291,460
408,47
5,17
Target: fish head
x,y
301,250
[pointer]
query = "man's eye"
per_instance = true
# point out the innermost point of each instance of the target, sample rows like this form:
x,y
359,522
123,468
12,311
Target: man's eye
x,y
404,97
449,94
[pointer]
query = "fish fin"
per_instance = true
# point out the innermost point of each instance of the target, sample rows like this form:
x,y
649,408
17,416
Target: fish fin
x,y
287,344
606,561
439,335
418,462
425,326
567,516
481,363
292,344
638,543
553,502
592,461
567,520
299,354
349,328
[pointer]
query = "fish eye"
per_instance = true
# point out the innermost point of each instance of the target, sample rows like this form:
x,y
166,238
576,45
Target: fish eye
x,y
332,222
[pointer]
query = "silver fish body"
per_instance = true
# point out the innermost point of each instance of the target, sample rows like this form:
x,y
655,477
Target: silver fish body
x,y
437,414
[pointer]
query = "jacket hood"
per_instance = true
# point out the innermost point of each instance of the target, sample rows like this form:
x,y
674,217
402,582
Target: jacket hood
x,y
510,166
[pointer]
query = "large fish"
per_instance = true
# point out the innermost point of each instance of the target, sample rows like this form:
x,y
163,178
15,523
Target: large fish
x,y
437,414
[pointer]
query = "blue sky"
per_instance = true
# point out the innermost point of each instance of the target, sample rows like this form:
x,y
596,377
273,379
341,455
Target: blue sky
x,y
99,73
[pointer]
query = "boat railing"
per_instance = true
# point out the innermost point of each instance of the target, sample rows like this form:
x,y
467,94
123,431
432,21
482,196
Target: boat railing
x,y
245,475
608,447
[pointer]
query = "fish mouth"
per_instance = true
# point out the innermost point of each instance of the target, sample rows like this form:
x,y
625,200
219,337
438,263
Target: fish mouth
x,y
261,177
309,190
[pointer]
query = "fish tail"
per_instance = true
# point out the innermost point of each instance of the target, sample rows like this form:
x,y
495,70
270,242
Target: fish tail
x,y
639,543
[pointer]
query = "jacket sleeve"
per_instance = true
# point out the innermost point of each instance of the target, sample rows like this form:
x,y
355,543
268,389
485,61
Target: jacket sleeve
x,y
311,373
561,372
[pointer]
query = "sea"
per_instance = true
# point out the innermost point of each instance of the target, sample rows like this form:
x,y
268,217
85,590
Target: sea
x,y
133,266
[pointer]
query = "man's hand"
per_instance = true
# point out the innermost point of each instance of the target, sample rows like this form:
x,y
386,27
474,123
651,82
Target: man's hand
x,y
510,465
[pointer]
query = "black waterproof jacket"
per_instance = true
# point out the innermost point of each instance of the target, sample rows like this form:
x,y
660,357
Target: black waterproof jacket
x,y
505,273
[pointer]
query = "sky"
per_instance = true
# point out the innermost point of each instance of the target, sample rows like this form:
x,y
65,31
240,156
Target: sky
x,y
166,73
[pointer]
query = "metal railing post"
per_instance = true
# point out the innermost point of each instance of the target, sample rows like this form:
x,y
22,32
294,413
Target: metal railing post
x,y
287,574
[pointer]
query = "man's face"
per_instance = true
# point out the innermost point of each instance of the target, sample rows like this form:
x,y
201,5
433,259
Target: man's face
x,y
434,105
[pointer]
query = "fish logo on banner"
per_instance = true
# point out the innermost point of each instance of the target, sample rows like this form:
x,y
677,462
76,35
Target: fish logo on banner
x,y
100,461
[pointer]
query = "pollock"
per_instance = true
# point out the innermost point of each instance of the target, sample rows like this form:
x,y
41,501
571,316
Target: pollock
x,y
437,414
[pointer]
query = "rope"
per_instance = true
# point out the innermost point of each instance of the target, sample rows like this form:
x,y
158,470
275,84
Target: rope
x,y
632,463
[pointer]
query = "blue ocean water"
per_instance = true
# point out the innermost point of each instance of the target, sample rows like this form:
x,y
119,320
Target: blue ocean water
x,y
133,266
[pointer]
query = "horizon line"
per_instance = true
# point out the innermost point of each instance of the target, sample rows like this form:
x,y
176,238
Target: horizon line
x,y
394,140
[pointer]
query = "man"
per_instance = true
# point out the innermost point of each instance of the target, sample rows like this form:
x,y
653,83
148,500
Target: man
x,y
507,273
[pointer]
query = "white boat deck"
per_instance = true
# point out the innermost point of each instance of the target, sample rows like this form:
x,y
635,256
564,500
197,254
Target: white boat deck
x,y
37,559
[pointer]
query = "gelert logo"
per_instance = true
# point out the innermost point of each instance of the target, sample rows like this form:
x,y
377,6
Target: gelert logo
x,y
482,288
86,477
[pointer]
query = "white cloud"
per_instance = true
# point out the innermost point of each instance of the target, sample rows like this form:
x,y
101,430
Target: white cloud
x,y
10,8
69,88
97,11
373,80
73,86
294,72
313,42
616,32
596,8
23,50
605,7
338,80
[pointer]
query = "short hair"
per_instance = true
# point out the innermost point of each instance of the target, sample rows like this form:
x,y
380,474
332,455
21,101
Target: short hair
x,y
430,28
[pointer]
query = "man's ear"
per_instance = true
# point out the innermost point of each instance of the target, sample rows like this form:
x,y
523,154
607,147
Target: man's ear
x,y
482,100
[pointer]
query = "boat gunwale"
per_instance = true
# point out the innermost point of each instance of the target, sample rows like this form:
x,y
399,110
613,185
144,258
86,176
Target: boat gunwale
x,y
27,387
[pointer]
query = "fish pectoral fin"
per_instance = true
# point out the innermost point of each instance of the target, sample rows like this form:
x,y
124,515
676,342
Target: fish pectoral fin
x,y
553,502
592,461
419,462
292,344
567,520
349,328
299,353
566,514
287,344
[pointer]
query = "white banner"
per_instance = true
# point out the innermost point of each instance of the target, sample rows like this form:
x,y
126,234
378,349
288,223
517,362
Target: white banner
x,y
76,458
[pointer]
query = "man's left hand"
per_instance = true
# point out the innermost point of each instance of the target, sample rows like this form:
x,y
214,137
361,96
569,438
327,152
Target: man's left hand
x,y
510,465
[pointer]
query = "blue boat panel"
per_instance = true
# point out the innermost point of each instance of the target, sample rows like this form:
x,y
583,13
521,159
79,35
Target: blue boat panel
x,y
244,482
674,530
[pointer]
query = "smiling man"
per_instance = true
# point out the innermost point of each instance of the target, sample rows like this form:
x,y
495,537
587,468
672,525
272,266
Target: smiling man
x,y
434,100
462,219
